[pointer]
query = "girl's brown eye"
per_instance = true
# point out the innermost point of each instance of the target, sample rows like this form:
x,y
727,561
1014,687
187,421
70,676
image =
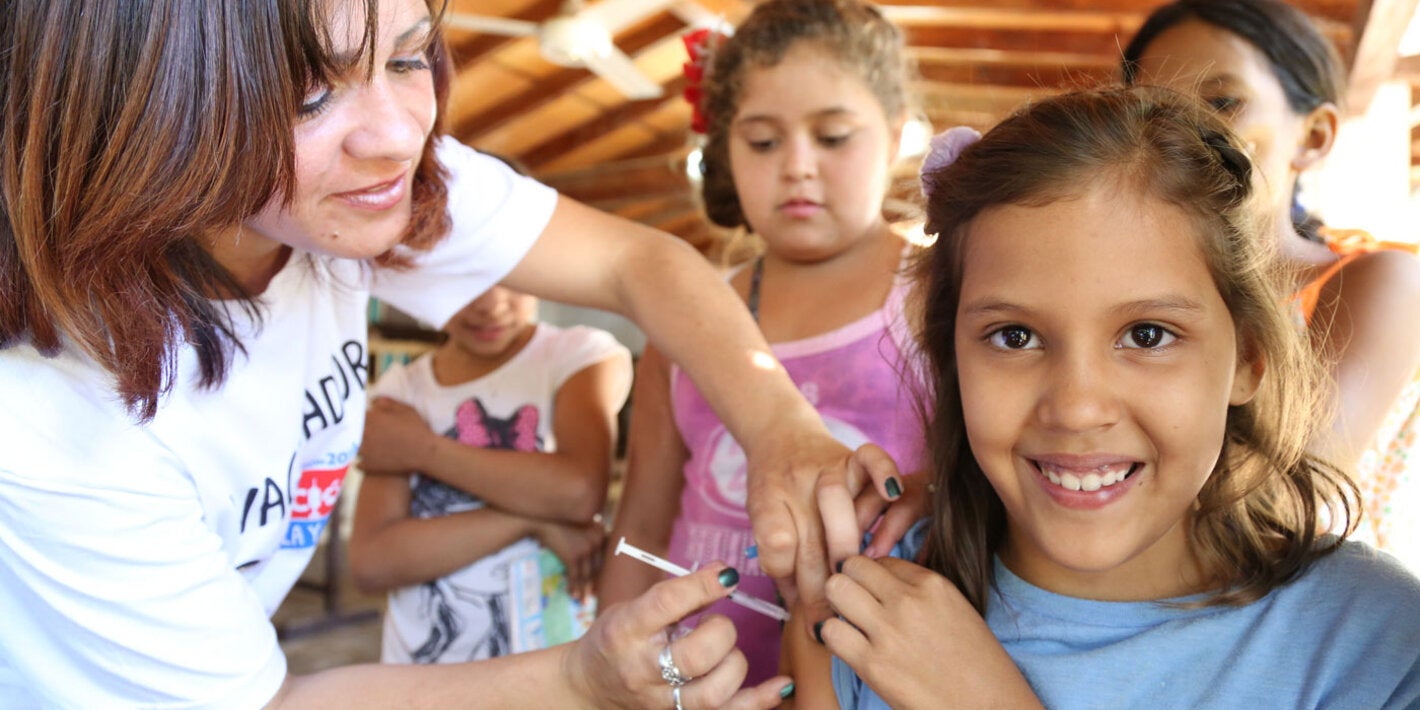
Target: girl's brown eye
x,y
1148,336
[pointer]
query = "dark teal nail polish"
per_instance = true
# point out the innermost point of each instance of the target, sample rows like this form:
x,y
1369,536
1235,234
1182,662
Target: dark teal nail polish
x,y
729,577
787,691
839,566
818,631
894,489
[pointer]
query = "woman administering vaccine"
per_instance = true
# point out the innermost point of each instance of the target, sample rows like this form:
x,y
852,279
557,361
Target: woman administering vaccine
x,y
196,201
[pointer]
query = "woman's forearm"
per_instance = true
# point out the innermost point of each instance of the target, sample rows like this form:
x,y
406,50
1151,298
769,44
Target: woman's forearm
x,y
535,677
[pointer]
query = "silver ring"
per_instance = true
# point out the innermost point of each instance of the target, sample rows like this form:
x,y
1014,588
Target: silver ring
x,y
675,693
669,672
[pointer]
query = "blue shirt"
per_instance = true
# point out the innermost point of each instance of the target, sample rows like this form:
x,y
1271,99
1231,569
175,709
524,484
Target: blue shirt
x,y
1344,634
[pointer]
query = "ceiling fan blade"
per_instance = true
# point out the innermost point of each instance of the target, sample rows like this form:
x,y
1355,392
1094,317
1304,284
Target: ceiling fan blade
x,y
617,14
490,25
621,72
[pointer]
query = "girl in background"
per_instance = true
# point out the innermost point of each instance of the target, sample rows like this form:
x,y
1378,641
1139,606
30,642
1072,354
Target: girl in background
x,y
1125,511
487,465
1277,81
804,105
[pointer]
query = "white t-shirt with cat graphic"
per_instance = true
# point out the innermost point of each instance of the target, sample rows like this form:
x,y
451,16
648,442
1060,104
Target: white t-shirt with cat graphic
x,y
480,610
139,563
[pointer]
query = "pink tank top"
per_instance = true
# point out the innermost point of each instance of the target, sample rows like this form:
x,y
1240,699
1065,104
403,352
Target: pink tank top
x,y
857,379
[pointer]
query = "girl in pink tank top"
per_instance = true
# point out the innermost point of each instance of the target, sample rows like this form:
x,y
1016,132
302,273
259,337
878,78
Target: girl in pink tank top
x,y
804,107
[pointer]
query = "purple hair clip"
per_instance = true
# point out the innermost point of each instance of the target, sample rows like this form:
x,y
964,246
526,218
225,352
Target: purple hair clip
x,y
944,150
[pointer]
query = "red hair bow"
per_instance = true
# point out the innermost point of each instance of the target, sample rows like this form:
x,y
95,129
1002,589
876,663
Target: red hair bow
x,y
700,45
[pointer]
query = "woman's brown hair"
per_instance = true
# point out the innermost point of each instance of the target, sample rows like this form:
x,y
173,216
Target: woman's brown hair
x,y
132,130
1256,522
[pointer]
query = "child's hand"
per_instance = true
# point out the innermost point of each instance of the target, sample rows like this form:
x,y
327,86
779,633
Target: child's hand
x,y
580,549
890,520
397,440
799,539
912,637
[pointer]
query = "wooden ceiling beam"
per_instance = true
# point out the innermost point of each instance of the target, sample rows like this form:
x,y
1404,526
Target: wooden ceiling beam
x,y
994,17
466,47
644,177
666,124
471,125
1379,26
556,140
979,56
1038,77
996,100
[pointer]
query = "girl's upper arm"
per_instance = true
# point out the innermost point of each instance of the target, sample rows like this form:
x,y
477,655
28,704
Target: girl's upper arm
x,y
1364,327
655,456
585,411
650,498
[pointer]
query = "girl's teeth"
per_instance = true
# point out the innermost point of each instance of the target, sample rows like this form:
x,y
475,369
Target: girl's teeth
x,y
1088,482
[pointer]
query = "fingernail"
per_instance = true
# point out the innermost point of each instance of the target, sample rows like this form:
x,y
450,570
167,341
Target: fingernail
x,y
729,577
893,488
818,631
787,691
839,566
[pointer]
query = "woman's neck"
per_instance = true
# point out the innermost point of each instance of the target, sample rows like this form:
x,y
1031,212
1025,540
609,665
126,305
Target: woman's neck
x,y
252,259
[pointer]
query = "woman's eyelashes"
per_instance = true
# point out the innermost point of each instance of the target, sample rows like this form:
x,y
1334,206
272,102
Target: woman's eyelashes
x,y
411,63
315,102
318,99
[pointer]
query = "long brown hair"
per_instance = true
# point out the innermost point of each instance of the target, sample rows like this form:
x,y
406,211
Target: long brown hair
x,y
1257,519
130,130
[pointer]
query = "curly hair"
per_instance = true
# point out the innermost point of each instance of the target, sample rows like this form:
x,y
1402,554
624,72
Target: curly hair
x,y
856,33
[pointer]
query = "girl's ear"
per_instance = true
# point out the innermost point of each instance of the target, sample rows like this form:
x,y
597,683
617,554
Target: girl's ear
x,y
1248,376
1319,135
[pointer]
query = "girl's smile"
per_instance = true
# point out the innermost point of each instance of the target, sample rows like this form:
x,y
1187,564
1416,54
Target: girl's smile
x,y
1097,363
1086,481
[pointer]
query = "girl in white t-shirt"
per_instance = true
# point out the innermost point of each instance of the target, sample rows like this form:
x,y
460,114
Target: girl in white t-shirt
x,y
487,465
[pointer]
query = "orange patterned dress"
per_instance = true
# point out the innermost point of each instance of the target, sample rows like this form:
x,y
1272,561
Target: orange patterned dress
x,y
1388,472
